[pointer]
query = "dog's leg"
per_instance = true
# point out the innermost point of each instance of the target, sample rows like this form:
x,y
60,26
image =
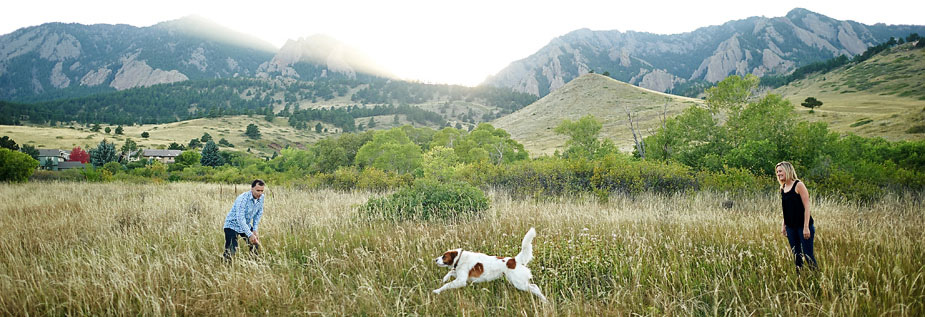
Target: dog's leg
x,y
448,275
460,281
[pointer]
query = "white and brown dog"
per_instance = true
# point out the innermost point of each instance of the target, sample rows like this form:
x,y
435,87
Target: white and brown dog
x,y
478,267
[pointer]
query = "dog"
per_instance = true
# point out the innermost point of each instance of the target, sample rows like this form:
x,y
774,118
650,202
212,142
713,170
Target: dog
x,y
478,267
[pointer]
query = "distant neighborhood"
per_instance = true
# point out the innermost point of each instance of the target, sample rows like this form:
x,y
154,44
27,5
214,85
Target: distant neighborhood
x,y
57,159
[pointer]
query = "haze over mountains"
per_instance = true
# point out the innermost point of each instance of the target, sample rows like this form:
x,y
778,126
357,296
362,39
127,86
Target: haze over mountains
x,y
56,60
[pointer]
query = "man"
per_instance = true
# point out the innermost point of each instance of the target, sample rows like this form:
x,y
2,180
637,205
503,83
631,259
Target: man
x,y
243,218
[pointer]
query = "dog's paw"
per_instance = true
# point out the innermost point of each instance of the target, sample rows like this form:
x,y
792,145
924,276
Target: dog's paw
x,y
446,278
436,291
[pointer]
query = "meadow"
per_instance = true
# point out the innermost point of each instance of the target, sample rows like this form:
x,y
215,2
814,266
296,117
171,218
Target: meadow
x,y
155,249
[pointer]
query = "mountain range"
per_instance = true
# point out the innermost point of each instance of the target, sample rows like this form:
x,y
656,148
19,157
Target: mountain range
x,y
690,61
57,60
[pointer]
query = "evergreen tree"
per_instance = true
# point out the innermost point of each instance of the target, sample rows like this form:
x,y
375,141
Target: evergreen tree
x,y
210,156
31,150
318,128
372,123
104,153
252,132
811,103
8,143
119,130
176,146
96,127
129,147
145,134
194,143
225,143
108,130
205,137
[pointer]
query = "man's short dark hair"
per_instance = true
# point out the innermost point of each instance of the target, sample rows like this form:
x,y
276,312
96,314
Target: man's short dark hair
x,y
257,182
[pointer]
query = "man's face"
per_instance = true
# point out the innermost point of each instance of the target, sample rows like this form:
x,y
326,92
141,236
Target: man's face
x,y
257,191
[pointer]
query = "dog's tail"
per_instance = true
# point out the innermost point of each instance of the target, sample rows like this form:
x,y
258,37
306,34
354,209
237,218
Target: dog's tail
x,y
526,248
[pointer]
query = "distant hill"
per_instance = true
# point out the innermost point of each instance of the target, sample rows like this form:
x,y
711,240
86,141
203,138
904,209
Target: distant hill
x,y
883,96
603,97
688,62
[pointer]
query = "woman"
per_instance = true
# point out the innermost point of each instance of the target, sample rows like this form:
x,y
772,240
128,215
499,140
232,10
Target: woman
x,y
798,224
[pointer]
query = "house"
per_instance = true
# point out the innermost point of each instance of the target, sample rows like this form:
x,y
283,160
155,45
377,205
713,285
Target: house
x,y
165,156
50,158
70,164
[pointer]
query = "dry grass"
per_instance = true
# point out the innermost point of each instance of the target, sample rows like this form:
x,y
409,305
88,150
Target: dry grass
x,y
594,94
888,89
102,249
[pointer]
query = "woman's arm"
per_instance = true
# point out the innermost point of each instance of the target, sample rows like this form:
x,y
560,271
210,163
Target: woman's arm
x,y
804,195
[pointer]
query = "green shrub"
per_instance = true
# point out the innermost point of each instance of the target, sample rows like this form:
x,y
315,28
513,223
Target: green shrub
x,y
430,200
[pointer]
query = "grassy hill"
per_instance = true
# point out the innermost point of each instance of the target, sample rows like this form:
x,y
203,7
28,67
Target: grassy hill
x,y
599,95
883,96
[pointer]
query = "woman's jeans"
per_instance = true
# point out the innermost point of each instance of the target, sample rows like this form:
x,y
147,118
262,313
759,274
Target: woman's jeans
x,y
802,247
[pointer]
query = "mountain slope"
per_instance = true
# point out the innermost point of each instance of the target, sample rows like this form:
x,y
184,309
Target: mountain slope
x,y
676,62
56,60
603,97
883,96
319,56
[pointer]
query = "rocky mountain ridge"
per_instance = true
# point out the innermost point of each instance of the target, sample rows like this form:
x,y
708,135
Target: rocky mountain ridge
x,y
757,45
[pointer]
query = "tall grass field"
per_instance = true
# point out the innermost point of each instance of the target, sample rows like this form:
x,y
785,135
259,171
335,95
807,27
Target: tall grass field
x,y
155,249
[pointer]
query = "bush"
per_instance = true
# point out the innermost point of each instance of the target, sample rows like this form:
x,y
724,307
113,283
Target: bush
x,y
16,166
430,200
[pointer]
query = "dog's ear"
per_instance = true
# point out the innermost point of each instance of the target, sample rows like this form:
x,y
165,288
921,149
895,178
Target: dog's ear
x,y
449,257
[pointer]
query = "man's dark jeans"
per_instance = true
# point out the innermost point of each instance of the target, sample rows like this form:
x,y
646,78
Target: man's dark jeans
x,y
231,244
802,247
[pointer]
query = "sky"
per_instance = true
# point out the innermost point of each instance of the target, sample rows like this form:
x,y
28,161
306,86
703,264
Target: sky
x,y
434,41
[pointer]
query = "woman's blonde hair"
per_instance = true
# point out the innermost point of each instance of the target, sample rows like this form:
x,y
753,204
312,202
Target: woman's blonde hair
x,y
789,173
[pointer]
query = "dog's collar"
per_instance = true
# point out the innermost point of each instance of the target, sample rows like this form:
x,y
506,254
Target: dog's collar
x,y
456,260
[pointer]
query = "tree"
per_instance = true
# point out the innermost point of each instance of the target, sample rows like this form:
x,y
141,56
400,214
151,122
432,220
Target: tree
x,y
104,153
176,146
205,137
731,93
188,158
145,134
318,128
31,150
372,123
583,141
119,130
108,130
96,127
210,156
811,103
606,73
15,166
8,143
79,155
129,147
390,150
252,132
194,143
225,143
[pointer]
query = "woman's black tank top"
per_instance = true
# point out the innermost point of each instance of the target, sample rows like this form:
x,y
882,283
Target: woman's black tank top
x,y
793,207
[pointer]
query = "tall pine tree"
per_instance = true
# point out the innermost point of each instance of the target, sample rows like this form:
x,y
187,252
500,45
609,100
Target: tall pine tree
x,y
210,156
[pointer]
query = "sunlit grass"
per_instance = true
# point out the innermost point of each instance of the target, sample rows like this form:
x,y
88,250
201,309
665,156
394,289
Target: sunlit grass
x,y
94,249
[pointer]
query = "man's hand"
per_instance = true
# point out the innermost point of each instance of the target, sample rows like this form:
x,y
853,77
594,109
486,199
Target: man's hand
x,y
253,239
806,233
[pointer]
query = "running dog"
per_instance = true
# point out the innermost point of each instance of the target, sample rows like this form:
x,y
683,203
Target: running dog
x,y
478,267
